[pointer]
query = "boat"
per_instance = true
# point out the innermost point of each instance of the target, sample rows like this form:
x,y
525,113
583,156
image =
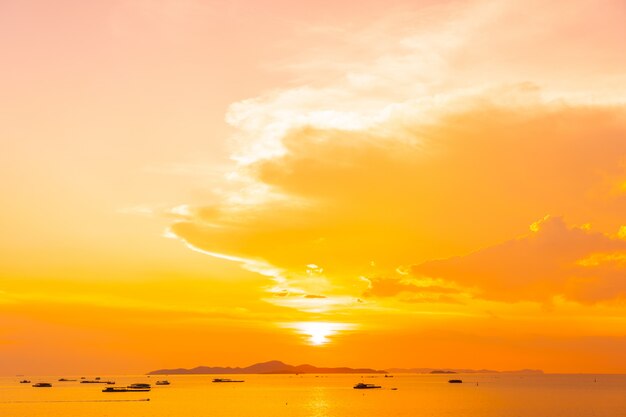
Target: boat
x,y
361,385
455,381
227,380
66,380
42,385
125,389
139,386
164,382
115,389
24,381
88,381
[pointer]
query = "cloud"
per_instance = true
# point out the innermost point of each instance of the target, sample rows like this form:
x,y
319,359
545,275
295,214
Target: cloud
x,y
553,260
414,290
404,193
429,141
314,304
427,55
389,287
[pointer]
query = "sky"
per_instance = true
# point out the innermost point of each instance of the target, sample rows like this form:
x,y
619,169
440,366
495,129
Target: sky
x,y
388,184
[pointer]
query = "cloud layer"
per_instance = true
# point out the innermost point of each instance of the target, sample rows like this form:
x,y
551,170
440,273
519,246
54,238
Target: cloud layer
x,y
424,137
403,193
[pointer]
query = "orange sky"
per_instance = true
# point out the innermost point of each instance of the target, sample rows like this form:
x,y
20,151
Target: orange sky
x,y
393,184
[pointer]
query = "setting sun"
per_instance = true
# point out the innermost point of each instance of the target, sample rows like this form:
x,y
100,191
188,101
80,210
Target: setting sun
x,y
319,333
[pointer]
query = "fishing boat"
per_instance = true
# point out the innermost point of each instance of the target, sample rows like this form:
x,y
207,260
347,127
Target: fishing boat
x,y
42,385
164,382
227,380
139,386
87,381
24,381
361,385
66,380
455,381
125,389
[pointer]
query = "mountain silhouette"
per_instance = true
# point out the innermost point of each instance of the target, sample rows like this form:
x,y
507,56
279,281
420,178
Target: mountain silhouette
x,y
271,367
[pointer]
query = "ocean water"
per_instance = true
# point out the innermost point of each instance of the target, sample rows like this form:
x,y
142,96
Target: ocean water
x,y
484,395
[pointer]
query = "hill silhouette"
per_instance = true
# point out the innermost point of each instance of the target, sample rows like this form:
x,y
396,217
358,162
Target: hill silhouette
x,y
271,367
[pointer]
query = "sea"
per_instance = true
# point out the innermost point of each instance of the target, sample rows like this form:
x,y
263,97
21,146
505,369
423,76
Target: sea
x,y
332,395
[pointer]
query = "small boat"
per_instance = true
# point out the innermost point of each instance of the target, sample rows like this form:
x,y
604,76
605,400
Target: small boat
x,y
139,386
115,389
164,382
24,381
125,389
361,385
227,380
455,381
42,385
87,381
66,380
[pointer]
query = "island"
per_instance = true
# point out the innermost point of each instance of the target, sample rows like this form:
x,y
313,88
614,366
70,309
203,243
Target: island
x,y
271,367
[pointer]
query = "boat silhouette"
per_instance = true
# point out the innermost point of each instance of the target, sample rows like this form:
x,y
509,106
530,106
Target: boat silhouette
x,y
139,386
125,389
88,381
361,385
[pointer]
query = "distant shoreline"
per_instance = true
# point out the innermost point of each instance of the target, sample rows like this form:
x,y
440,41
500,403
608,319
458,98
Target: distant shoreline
x,y
278,367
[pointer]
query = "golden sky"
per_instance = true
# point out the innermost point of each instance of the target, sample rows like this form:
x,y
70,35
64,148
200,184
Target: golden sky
x,y
388,184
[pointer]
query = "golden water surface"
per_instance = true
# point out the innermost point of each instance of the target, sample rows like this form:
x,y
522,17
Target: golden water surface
x,y
480,395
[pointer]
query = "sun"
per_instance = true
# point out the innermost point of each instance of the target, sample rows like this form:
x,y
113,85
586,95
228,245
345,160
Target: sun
x,y
318,333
